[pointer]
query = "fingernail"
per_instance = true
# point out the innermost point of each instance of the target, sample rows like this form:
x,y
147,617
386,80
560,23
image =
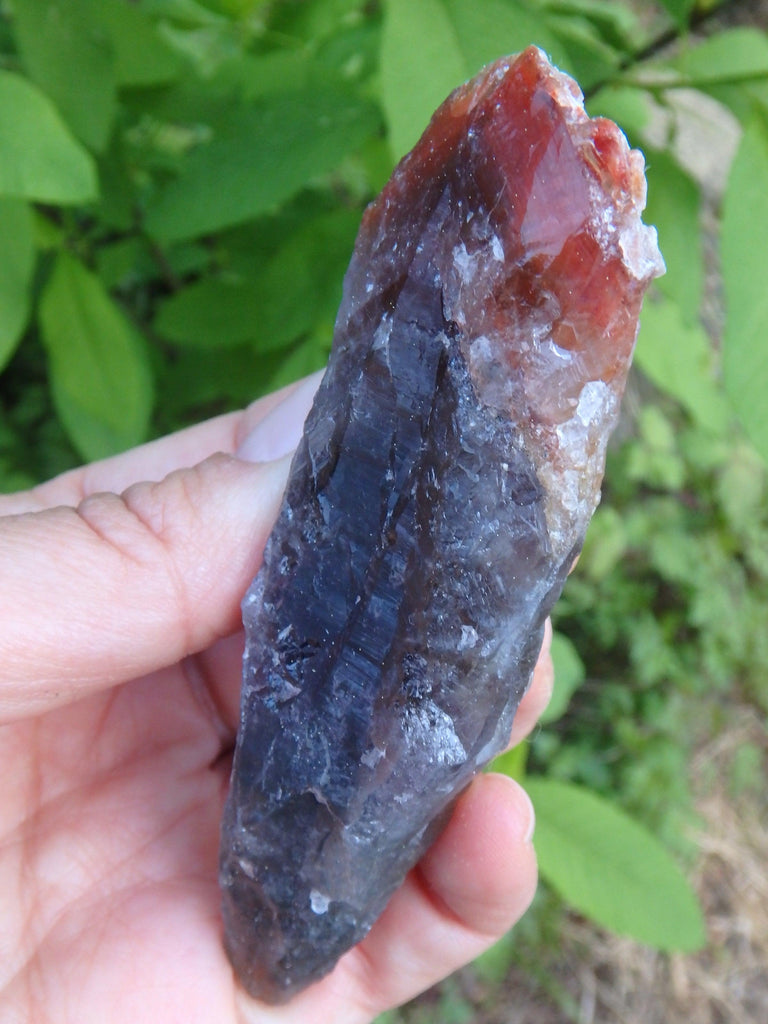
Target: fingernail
x,y
528,834
280,430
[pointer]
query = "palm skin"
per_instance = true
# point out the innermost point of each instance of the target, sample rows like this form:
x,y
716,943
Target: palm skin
x,y
119,700
111,861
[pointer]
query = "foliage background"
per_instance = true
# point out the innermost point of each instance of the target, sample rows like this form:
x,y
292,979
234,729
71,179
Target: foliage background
x,y
180,187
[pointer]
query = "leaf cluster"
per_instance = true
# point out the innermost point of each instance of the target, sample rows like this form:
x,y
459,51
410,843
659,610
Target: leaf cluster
x,y
664,623
196,171
180,188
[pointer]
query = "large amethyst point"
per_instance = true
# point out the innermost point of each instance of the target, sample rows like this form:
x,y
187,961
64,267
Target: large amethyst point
x,y
441,490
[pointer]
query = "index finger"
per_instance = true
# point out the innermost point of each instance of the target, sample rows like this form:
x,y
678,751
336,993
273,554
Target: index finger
x,y
156,459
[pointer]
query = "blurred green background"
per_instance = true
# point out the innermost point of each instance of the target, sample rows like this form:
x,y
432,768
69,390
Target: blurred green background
x,y
181,182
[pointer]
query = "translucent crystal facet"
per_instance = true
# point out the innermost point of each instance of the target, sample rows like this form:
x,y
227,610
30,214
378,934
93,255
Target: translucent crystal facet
x,y
442,488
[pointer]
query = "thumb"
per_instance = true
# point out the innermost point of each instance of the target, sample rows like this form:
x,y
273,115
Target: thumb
x,y
125,584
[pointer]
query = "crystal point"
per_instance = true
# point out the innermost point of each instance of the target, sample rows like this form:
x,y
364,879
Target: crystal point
x,y
445,479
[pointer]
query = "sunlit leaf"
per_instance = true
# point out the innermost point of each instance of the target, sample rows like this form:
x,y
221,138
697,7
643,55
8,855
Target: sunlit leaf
x,y
674,208
100,375
431,47
39,159
569,675
732,54
421,61
628,107
678,357
745,272
512,762
496,28
610,868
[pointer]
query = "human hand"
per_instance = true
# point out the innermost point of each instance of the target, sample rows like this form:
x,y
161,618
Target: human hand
x,y
120,650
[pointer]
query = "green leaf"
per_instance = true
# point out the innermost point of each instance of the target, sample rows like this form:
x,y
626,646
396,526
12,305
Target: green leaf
x,y
656,461
39,159
674,207
211,313
316,21
431,47
628,107
617,25
116,207
47,232
741,97
206,49
183,12
512,762
250,76
68,54
300,289
591,59
678,358
100,376
353,53
605,545
496,28
17,263
730,65
259,156
142,57
300,284
611,869
569,675
235,8
744,259
734,54
421,62
741,487
197,383
679,10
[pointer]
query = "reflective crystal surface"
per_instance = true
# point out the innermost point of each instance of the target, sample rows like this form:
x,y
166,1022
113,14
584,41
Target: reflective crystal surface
x,y
442,488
